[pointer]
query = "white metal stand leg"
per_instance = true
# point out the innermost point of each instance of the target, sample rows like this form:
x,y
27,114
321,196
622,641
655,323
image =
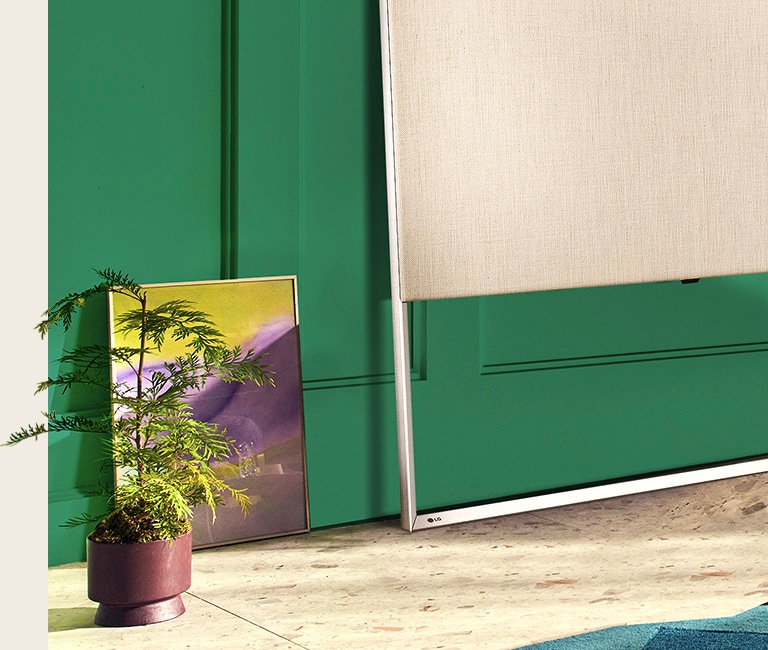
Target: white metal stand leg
x,y
404,416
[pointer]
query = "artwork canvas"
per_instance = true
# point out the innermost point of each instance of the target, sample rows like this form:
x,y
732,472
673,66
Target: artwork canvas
x,y
266,422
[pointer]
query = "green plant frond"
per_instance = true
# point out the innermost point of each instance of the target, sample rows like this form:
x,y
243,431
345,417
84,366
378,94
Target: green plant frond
x,y
87,356
174,317
212,496
125,453
79,423
163,454
131,320
198,440
156,398
75,378
158,380
235,366
162,497
186,371
120,282
157,411
180,451
177,378
202,335
122,391
61,311
25,433
124,353
205,488
242,499
82,520
189,323
243,372
181,311
58,423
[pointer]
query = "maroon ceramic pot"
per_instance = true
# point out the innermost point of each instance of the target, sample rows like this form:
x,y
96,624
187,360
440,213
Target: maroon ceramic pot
x,y
139,584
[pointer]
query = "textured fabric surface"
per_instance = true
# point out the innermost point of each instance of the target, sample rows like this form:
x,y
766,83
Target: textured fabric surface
x,y
749,628
542,144
677,639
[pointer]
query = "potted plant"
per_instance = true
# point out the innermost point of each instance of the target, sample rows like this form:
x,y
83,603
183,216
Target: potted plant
x,y
139,553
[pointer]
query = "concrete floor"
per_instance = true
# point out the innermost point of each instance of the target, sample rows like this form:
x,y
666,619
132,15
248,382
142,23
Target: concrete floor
x,y
692,552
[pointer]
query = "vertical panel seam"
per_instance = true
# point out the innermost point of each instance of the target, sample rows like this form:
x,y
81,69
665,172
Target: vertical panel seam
x,y
224,255
229,136
234,136
302,134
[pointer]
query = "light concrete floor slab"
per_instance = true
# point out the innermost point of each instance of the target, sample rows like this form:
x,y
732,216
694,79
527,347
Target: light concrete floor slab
x,y
690,552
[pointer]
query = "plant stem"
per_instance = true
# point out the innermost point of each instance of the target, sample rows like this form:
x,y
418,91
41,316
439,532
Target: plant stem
x,y
140,379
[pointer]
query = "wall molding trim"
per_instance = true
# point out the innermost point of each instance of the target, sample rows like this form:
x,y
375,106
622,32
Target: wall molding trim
x,y
628,357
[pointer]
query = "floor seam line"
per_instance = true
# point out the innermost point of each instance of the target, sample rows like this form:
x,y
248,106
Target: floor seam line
x,y
242,618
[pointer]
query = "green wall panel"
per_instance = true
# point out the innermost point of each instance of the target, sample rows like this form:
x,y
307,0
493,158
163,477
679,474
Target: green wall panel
x,y
512,395
311,176
658,319
344,239
134,139
269,148
312,203
534,431
134,176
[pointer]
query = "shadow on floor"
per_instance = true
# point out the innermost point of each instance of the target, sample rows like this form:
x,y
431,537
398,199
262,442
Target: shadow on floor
x,y
65,619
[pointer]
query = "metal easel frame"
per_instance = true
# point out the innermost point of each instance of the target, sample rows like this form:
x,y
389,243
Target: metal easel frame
x,y
410,518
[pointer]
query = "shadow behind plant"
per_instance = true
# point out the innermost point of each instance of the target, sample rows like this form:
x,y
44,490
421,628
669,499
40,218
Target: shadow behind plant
x,y
162,453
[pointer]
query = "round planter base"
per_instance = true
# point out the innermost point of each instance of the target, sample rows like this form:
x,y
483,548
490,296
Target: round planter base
x,y
139,583
122,616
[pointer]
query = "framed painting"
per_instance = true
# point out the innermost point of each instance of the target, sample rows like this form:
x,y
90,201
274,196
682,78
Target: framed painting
x,y
266,422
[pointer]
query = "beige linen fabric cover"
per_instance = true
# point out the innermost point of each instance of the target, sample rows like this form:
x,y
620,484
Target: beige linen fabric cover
x,y
547,144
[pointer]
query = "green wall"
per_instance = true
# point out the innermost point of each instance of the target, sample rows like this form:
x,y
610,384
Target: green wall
x,y
207,139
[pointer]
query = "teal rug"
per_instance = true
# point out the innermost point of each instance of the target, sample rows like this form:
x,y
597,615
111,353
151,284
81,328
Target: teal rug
x,y
745,631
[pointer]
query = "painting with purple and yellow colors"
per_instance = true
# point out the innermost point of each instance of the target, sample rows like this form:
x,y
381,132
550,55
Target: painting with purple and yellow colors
x,y
267,423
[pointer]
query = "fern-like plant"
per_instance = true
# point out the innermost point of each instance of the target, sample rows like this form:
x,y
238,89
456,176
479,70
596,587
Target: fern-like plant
x,y
162,453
